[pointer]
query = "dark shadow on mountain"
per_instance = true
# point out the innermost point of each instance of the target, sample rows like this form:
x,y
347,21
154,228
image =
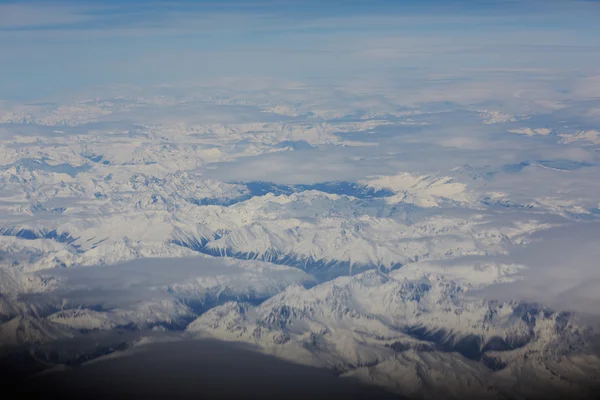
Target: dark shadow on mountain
x,y
194,369
473,347
320,269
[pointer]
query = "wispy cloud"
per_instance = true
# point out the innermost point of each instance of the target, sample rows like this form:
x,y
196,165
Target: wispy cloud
x,y
43,15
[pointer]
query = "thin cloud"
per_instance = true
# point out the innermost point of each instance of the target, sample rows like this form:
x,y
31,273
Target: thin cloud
x,y
39,15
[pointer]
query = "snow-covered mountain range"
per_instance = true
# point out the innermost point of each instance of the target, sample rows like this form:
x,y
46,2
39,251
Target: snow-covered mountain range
x,y
419,331
372,259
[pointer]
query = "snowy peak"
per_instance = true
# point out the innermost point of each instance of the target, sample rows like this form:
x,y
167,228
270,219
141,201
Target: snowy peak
x,y
423,191
374,323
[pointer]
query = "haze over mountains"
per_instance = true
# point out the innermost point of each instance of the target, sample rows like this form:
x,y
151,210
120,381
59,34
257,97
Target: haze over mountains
x,y
431,231
382,278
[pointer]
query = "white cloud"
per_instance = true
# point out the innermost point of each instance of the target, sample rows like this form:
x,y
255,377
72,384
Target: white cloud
x,y
562,270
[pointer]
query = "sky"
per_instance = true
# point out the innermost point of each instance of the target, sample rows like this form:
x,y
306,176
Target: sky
x,y
51,48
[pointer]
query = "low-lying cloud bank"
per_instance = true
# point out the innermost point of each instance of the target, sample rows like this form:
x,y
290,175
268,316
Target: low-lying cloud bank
x,y
562,270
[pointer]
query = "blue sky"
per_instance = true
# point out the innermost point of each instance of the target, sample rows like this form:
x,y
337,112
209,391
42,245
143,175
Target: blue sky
x,y
48,48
